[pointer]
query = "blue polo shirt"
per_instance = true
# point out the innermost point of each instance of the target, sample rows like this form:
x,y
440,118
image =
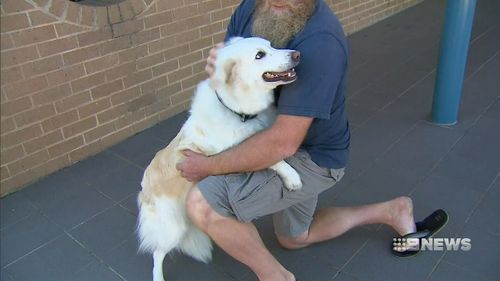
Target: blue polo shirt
x,y
319,89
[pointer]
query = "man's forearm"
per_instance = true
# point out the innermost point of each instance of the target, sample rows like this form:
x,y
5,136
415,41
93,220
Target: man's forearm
x,y
256,153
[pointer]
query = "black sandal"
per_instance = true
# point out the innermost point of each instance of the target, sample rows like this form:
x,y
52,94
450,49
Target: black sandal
x,y
425,229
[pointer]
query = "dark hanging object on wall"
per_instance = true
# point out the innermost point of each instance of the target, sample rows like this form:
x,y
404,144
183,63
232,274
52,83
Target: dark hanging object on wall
x,y
98,2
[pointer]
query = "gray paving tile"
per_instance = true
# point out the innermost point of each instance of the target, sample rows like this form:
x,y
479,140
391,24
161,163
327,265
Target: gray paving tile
x,y
13,208
476,148
133,266
130,204
416,103
466,172
129,263
484,79
5,276
96,271
168,129
483,228
494,110
358,114
25,236
360,78
426,60
342,276
483,255
94,166
375,262
106,231
485,217
371,98
439,192
418,151
448,271
183,268
139,149
482,48
120,183
377,184
60,192
374,138
53,262
398,171
388,88
330,197
480,91
486,127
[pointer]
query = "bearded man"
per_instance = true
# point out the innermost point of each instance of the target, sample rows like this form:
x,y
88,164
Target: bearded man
x,y
311,133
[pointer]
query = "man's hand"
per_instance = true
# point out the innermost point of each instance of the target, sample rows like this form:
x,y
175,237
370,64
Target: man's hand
x,y
195,166
212,56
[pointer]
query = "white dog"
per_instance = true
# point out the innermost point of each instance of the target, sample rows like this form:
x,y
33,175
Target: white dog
x,y
236,104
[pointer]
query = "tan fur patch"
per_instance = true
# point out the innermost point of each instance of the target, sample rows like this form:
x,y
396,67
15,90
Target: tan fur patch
x,y
230,69
161,177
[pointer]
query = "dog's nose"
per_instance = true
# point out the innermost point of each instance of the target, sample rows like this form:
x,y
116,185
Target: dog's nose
x,y
296,56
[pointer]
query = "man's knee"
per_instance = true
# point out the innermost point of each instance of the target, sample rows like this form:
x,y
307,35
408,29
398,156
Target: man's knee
x,y
198,209
293,243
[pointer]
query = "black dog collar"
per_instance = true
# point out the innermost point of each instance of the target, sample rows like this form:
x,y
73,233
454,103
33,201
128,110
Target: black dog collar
x,y
243,117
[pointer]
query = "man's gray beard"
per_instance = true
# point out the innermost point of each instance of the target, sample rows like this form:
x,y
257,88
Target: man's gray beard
x,y
280,29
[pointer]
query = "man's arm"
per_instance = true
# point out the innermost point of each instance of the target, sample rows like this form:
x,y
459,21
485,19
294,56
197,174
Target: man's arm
x,y
256,153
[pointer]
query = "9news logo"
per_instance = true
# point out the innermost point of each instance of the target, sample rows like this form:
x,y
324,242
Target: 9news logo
x,y
431,244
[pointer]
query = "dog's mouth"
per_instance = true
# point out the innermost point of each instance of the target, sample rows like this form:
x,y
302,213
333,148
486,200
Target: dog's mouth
x,y
285,76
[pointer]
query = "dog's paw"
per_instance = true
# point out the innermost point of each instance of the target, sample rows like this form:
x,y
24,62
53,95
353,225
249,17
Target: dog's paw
x,y
292,182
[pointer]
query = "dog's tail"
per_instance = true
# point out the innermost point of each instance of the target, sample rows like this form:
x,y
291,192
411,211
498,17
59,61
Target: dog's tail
x,y
196,244
161,224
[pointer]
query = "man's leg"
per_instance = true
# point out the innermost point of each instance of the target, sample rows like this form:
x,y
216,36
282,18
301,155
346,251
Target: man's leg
x,y
240,240
331,222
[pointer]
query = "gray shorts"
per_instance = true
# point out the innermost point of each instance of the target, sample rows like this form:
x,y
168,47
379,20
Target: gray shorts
x,y
248,196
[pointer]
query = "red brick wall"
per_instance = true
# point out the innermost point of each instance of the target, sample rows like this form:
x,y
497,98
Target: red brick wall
x,y
77,79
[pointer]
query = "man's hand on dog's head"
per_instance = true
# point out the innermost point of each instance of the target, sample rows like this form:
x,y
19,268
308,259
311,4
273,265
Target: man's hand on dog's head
x,y
195,166
212,56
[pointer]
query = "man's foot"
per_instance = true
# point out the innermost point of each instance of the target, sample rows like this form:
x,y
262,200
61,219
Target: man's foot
x,y
290,277
285,275
401,215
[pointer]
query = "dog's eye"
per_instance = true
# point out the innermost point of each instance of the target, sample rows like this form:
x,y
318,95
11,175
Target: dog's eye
x,y
260,55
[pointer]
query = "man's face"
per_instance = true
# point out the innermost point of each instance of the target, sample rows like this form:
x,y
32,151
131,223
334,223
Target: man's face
x,y
279,7
280,20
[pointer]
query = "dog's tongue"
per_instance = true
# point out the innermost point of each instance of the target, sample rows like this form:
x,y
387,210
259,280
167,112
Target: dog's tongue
x,y
288,75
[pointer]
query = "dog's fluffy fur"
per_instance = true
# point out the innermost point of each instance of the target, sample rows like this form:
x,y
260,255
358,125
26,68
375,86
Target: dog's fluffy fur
x,y
246,72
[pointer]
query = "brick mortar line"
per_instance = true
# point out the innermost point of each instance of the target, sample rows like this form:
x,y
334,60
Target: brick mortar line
x,y
51,39
95,100
40,58
81,134
62,18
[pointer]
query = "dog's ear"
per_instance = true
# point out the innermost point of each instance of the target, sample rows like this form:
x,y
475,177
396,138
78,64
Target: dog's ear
x,y
224,74
230,70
